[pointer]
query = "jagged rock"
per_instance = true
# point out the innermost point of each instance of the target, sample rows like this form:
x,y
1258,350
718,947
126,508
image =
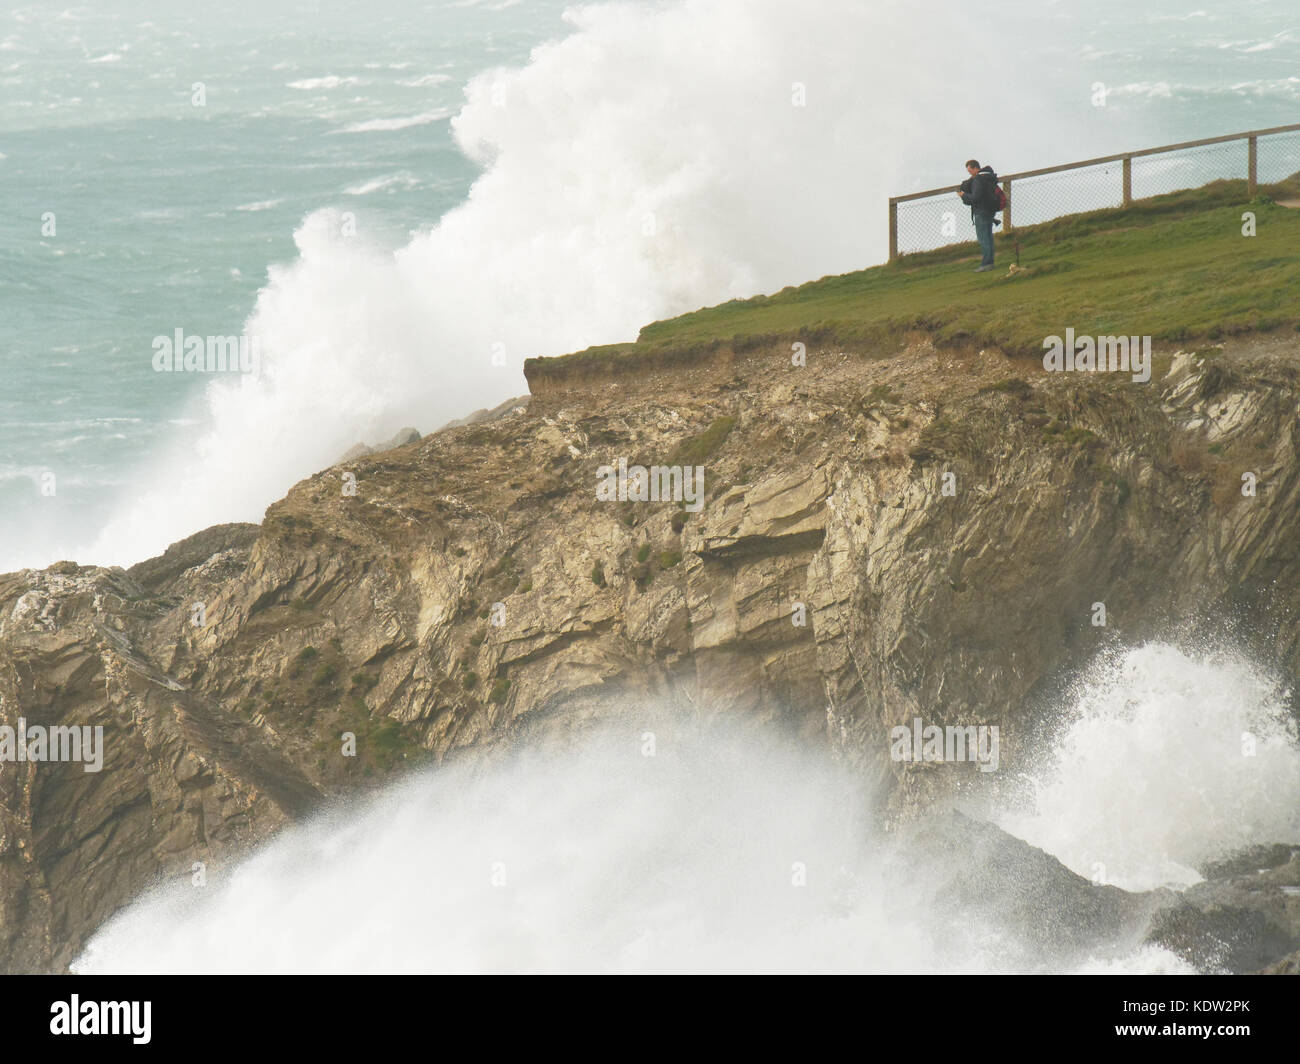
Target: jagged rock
x,y
475,592
191,551
1251,860
1244,921
485,414
1244,917
1216,939
1289,965
1044,914
360,450
357,450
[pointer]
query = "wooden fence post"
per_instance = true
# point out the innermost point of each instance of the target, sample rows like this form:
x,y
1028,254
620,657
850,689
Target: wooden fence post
x,y
1128,181
1006,211
1252,155
893,229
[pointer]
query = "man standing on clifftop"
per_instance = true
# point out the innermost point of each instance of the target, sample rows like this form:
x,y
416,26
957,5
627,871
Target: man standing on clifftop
x,y
979,192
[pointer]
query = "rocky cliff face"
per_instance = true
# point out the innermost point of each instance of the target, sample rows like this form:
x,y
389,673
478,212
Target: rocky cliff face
x,y
920,533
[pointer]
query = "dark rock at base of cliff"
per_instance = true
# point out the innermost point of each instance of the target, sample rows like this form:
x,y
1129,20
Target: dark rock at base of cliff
x,y
1286,966
1243,921
1249,861
1247,920
1051,916
1218,939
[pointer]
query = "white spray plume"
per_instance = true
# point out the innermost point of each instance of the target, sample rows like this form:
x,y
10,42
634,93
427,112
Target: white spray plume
x,y
1165,760
729,855
732,853
657,159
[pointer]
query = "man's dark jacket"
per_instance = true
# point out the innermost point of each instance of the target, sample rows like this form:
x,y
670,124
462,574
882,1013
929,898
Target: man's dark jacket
x,y
978,193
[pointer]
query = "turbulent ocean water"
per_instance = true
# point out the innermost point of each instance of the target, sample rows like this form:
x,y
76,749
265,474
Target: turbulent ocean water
x,y
402,201
725,853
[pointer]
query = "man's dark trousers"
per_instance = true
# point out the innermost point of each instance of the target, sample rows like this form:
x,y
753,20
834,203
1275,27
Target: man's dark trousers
x,y
984,233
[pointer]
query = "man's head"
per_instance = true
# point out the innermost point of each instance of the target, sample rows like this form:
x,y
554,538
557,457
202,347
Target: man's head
x,y
972,166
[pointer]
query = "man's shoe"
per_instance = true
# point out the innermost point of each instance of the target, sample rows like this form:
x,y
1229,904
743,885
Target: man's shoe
x,y
983,269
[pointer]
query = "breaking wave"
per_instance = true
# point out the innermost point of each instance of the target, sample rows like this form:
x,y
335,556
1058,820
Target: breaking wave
x,y
733,852
657,159
1165,760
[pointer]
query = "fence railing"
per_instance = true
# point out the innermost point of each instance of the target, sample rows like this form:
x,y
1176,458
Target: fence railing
x,y
920,222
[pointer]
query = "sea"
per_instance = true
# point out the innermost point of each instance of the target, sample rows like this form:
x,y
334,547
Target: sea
x,y
400,201
395,203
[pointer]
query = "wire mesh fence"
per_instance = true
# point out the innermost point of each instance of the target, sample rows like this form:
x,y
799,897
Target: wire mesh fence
x,y
1154,175
937,218
1279,157
1046,196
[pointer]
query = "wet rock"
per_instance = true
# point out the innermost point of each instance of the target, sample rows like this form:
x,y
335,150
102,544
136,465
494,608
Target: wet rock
x,y
1249,861
1046,915
1244,919
1289,965
473,591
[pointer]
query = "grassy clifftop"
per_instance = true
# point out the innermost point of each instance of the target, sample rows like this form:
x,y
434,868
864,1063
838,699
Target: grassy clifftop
x,y
1174,267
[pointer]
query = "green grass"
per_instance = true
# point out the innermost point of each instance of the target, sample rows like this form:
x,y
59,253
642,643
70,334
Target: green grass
x,y
382,743
304,657
697,449
364,681
1174,267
